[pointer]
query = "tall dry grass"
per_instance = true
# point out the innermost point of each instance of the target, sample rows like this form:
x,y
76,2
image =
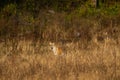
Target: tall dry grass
x,y
35,61
91,54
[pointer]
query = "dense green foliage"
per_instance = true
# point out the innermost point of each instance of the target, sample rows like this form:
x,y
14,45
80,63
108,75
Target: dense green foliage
x,y
56,4
8,7
34,17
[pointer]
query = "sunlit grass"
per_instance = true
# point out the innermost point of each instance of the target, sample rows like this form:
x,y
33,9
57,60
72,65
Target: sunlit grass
x,y
37,62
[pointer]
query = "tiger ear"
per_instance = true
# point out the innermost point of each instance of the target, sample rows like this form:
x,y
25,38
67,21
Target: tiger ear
x,y
51,43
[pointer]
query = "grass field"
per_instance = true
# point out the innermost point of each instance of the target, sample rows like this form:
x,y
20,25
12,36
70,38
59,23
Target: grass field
x,y
89,36
91,45
29,60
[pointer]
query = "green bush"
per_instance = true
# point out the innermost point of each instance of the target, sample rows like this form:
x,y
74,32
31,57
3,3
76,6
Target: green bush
x,y
88,10
9,10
